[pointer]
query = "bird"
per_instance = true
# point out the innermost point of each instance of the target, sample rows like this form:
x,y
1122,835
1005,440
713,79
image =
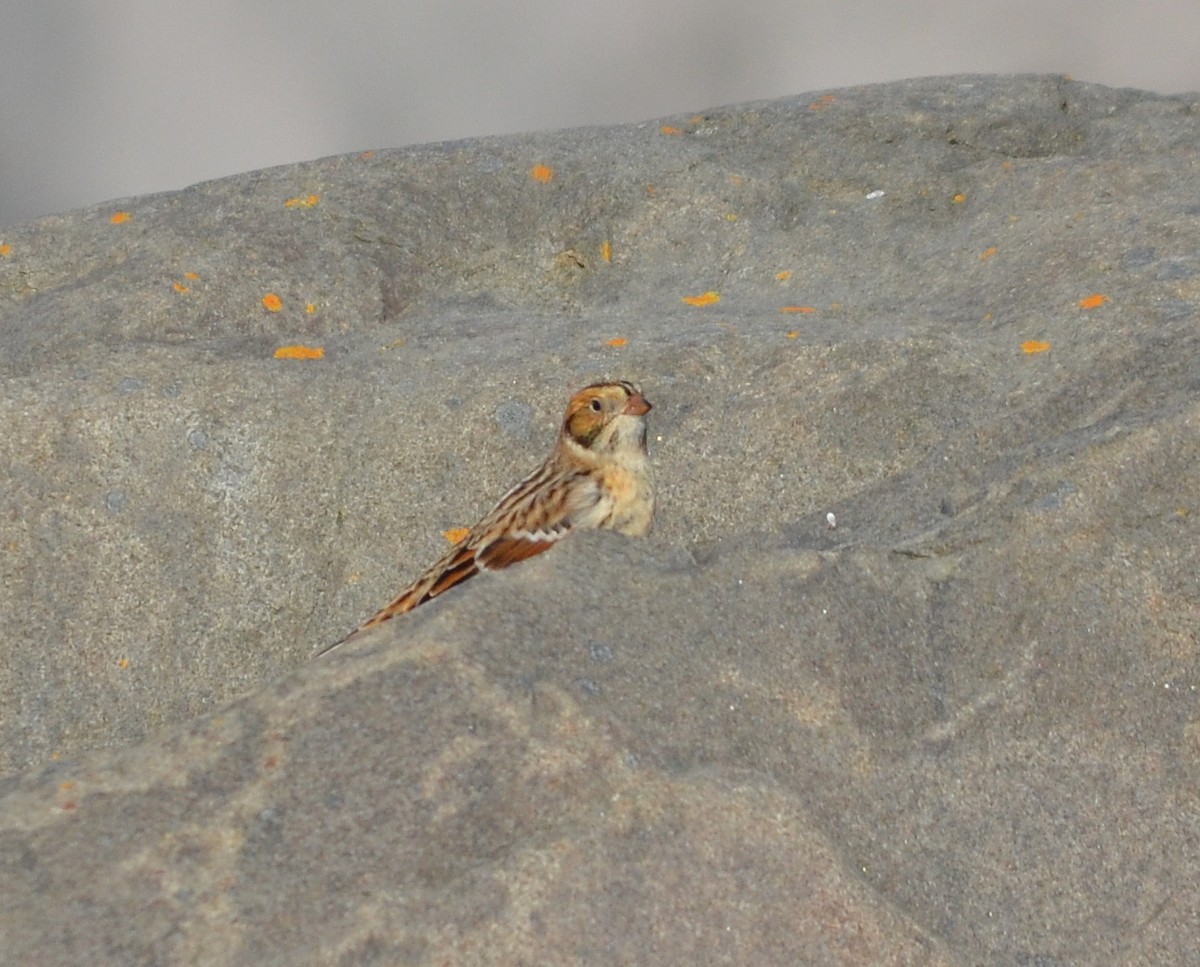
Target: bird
x,y
598,476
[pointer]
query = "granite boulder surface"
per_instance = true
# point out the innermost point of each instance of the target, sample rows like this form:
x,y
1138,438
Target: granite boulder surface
x,y
907,673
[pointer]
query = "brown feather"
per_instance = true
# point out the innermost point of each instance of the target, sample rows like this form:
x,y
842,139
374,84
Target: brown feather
x,y
504,551
461,567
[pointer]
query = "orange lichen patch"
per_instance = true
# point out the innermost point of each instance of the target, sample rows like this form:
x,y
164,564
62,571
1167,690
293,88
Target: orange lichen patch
x,y
823,102
66,788
606,250
959,198
616,342
191,276
1031,346
455,534
793,334
310,307
306,202
783,276
669,129
299,352
5,248
119,217
987,253
179,287
707,299
797,308
542,173
367,155
1092,301
271,302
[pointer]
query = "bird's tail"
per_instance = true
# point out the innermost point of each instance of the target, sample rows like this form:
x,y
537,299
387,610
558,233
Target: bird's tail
x,y
458,565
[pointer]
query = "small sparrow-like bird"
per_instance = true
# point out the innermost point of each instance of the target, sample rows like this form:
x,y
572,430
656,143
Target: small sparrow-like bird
x,y
597,476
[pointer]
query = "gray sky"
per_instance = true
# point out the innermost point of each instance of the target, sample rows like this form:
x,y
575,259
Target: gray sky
x,y
109,98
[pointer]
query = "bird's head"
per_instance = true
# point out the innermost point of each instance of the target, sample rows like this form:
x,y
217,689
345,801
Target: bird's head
x,y
607,418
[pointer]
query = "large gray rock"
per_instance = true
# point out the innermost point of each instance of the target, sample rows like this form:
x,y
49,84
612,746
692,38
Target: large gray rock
x,y
963,726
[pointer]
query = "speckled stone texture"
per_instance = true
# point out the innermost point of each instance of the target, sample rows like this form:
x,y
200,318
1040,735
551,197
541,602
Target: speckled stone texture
x,y
961,727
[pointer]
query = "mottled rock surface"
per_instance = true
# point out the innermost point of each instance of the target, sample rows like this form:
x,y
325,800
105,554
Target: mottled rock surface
x,y
961,727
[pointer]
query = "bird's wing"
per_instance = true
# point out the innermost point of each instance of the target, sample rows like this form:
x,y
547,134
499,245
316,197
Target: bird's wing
x,y
529,519
532,519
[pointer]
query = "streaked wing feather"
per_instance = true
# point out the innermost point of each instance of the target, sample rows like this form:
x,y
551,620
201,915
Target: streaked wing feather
x,y
545,503
545,513
507,550
455,570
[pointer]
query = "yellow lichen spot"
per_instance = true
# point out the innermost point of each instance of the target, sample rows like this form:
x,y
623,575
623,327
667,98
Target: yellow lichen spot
x,y
123,663
793,334
731,216
299,352
455,534
987,253
606,250
119,217
1092,301
306,202
271,302
310,307
5,248
669,129
783,276
959,198
616,342
179,287
542,173
191,276
707,299
804,309
394,344
1031,346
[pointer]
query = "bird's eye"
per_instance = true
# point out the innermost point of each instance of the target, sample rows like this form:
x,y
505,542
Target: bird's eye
x,y
595,406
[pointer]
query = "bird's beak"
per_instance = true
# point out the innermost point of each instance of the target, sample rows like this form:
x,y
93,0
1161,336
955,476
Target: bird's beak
x,y
637,405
